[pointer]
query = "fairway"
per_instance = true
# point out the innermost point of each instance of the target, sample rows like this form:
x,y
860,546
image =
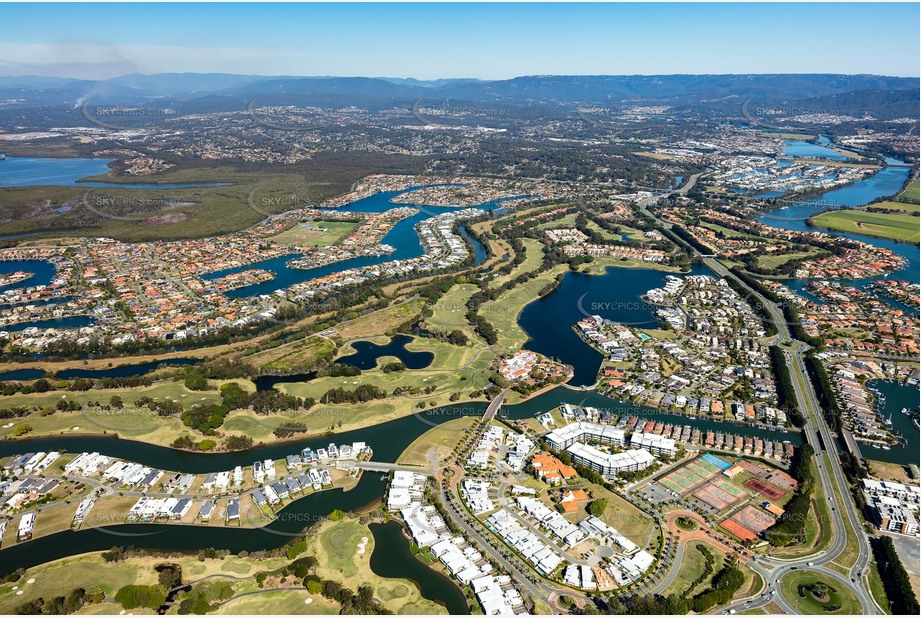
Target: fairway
x,y
450,311
344,550
281,602
833,597
892,226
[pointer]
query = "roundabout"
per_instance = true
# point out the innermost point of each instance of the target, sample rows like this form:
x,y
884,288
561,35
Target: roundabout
x,y
810,592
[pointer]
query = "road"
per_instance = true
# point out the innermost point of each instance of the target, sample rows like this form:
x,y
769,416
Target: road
x,y
830,476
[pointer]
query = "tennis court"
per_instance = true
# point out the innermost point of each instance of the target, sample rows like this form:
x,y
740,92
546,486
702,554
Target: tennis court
x,y
715,497
754,519
771,493
738,531
684,480
716,461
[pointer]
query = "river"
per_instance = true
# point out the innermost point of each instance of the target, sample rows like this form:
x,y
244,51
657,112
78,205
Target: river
x,y
67,172
884,183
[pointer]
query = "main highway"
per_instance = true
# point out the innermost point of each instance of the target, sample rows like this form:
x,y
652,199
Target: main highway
x,y
828,467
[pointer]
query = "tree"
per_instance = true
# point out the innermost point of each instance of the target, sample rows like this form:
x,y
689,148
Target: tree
x,y
196,381
133,596
597,507
116,402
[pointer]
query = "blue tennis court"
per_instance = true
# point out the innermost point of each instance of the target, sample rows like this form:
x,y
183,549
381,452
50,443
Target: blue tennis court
x,y
716,461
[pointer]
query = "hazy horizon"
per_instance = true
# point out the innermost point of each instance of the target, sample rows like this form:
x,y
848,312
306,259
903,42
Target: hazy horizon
x,y
448,41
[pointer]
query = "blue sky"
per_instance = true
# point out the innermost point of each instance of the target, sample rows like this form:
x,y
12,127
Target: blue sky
x,y
489,41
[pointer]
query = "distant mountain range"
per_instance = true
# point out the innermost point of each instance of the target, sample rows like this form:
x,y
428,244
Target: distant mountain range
x,y
201,92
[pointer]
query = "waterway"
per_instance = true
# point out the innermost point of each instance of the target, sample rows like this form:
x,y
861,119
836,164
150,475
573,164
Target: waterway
x,y
898,397
74,321
886,182
795,148
35,171
392,558
616,295
388,441
125,371
402,237
21,374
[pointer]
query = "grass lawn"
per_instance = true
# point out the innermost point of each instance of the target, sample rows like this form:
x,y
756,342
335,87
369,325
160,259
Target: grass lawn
x,y
777,260
91,572
564,221
315,234
278,602
434,446
885,471
817,536
728,232
129,422
692,567
877,589
623,516
336,546
911,192
897,206
883,225
837,595
534,256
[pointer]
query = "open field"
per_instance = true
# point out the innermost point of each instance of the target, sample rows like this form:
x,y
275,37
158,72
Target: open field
x,y
316,234
837,595
692,567
913,191
434,446
623,516
904,228
206,211
885,471
773,261
897,206
338,547
782,135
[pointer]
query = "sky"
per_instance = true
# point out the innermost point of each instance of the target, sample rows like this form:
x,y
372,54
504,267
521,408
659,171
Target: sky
x,y
430,41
